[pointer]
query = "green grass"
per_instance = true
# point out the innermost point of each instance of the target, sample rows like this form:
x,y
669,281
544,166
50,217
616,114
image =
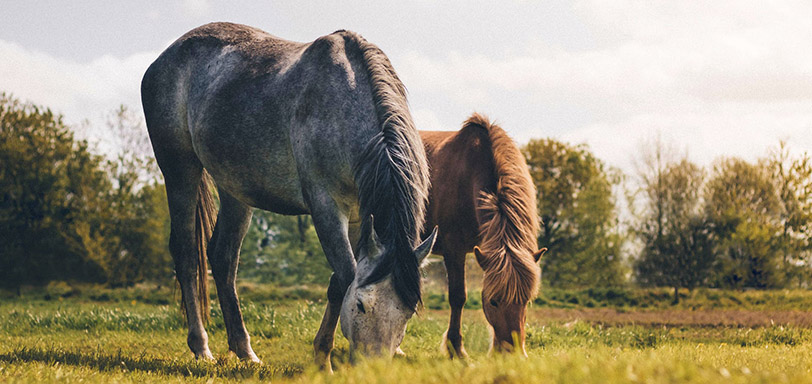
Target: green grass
x,y
436,298
137,335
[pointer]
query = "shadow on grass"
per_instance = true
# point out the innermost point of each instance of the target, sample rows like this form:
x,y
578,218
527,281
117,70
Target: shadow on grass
x,y
109,362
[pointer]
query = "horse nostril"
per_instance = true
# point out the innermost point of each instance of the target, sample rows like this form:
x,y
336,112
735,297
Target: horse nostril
x,y
360,306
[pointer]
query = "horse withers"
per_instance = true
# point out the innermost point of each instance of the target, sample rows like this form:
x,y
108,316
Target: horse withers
x,y
482,199
295,128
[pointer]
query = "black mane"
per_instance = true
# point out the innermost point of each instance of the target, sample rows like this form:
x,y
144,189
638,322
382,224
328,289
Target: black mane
x,y
392,177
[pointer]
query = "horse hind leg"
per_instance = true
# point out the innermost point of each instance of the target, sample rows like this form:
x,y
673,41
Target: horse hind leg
x,y
184,189
224,255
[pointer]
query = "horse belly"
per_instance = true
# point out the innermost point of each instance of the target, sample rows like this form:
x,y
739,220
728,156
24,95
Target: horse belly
x,y
267,186
256,166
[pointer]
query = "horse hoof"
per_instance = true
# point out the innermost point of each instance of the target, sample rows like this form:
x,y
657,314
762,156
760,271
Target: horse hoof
x,y
399,352
453,350
252,358
248,356
454,353
327,368
205,356
323,362
461,353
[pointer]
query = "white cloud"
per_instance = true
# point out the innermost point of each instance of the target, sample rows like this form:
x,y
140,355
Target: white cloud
x,y
427,120
727,77
717,78
732,131
80,91
196,8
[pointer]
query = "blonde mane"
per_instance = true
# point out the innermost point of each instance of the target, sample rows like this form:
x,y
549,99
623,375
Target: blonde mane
x,y
509,221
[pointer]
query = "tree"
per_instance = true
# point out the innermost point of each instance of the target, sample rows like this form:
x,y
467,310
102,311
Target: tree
x,y
139,217
793,181
53,193
744,208
677,242
67,214
577,208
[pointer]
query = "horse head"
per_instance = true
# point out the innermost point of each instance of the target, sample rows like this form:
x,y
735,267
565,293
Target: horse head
x,y
506,315
373,316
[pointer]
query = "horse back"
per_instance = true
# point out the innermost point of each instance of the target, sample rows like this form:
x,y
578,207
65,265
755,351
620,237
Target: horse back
x,y
461,165
265,116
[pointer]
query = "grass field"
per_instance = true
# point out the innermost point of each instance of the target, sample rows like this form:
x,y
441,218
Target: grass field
x,y
64,335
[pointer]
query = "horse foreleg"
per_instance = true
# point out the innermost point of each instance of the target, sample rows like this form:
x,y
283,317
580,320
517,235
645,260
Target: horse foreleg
x,y
323,343
224,256
455,268
333,229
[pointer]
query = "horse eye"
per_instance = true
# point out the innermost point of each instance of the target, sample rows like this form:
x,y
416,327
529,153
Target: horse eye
x,y
360,306
494,303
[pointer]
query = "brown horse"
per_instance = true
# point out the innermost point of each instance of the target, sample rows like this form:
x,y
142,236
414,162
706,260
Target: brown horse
x,y
482,194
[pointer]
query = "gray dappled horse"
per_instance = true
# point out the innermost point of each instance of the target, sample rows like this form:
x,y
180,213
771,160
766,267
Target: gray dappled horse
x,y
320,128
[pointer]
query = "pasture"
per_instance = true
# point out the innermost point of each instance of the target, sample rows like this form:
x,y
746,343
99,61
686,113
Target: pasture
x,y
617,336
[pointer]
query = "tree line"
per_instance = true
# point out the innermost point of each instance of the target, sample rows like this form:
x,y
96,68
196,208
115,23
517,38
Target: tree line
x,y
738,224
69,213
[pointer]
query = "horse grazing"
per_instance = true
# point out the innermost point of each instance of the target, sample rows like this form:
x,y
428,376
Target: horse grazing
x,y
481,193
295,128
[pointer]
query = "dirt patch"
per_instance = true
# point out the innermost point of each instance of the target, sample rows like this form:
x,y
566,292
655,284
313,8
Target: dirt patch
x,y
693,318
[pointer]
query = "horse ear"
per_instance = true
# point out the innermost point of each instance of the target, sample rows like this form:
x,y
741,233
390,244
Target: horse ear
x,y
372,245
480,258
425,247
537,256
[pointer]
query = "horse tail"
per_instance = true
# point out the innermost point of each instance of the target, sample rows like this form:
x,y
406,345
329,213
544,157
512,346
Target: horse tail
x,y
392,175
205,218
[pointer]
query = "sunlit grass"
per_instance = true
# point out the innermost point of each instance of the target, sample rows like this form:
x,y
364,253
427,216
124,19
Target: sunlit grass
x,y
117,340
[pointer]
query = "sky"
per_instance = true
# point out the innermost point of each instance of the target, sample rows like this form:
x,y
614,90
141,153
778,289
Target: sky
x,y
710,78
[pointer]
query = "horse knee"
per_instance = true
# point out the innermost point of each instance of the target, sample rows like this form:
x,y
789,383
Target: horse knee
x,y
339,282
323,343
453,336
457,300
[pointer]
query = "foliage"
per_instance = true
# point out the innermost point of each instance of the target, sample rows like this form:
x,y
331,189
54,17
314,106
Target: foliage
x,y
677,241
579,221
137,199
283,250
67,214
792,178
744,207
747,226
53,199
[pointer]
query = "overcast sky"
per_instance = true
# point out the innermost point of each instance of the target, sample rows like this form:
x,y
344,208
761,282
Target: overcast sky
x,y
715,78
